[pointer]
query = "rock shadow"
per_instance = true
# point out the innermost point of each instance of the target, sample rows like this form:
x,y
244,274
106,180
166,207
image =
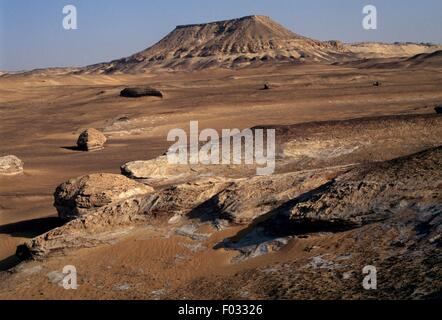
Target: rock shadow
x,y
26,229
10,262
72,148
31,228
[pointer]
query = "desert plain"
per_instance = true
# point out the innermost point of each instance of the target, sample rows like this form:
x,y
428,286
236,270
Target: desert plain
x,y
357,182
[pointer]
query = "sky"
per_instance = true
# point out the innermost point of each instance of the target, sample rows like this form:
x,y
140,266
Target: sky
x,y
32,34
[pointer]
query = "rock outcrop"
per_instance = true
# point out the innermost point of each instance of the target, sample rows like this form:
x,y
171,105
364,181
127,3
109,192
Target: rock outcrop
x,y
158,168
312,146
365,195
10,165
102,204
101,207
384,215
136,92
91,140
377,191
160,171
83,195
331,143
247,199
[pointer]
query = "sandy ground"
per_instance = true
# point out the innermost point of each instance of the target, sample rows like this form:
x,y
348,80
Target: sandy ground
x,y
42,117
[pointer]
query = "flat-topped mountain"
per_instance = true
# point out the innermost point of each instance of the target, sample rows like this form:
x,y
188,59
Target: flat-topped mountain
x,y
229,43
247,41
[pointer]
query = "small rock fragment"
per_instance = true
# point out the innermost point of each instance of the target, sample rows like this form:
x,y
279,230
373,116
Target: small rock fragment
x,y
91,140
10,165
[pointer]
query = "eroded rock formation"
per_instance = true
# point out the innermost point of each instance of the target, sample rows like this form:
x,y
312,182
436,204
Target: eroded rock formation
x,y
83,195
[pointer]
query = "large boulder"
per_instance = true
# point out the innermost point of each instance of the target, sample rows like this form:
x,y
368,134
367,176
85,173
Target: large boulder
x,y
145,91
83,195
10,165
91,140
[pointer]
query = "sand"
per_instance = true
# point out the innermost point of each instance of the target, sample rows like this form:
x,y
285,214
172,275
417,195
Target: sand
x,y
41,118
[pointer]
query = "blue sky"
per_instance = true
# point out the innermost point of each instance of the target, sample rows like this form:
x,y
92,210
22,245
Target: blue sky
x,y
32,36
